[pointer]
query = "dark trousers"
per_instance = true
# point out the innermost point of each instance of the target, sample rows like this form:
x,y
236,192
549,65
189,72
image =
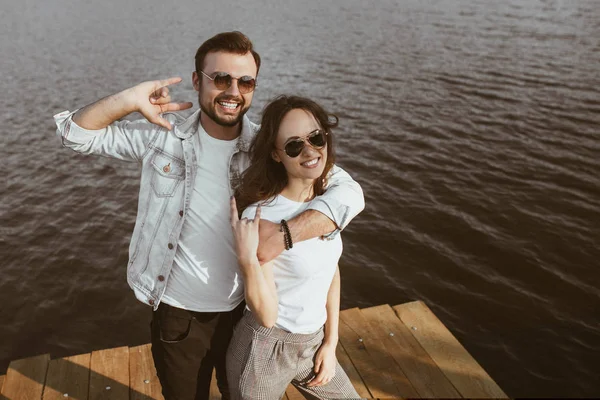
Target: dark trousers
x,y
186,345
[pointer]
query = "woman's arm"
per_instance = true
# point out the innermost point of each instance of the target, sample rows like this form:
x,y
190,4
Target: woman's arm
x,y
333,310
325,360
260,290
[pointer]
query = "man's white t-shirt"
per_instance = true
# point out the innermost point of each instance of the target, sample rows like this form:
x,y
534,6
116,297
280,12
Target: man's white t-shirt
x,y
205,275
302,274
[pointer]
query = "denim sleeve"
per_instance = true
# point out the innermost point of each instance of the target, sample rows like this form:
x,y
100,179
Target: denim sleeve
x,y
342,201
124,140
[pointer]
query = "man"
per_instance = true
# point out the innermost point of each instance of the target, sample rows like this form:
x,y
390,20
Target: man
x,y
181,258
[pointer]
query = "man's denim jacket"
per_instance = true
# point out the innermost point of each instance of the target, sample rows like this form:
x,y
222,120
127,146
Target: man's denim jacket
x,y
169,160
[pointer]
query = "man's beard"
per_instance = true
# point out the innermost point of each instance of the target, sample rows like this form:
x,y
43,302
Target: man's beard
x,y
211,111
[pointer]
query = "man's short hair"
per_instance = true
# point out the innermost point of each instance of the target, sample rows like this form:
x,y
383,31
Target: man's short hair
x,y
230,42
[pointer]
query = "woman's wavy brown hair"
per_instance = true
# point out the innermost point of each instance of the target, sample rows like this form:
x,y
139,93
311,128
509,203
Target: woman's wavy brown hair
x,y
266,178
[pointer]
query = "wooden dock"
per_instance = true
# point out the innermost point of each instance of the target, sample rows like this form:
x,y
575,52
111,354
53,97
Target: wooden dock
x,y
388,352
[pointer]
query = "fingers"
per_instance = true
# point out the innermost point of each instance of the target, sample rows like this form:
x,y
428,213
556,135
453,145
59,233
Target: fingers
x,y
176,106
161,122
322,378
233,211
166,82
160,100
257,216
160,91
160,96
318,363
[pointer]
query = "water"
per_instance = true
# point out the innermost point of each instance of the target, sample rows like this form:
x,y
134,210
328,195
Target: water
x,y
472,126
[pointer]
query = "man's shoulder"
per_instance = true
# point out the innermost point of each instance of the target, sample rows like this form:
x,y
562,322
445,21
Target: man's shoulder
x,y
249,131
249,126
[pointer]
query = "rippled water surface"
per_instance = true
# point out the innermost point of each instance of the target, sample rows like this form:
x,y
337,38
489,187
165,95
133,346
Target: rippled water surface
x,y
473,127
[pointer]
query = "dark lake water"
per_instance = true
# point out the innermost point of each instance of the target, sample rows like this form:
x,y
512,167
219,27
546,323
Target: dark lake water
x,y
473,127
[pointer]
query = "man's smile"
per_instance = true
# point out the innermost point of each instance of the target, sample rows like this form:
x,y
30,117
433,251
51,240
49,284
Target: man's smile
x,y
229,105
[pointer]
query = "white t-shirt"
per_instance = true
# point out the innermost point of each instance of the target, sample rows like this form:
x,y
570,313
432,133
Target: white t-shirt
x,y
302,274
205,276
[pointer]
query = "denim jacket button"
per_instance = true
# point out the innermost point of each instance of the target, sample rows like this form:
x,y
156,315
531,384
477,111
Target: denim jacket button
x,y
151,302
161,278
181,213
170,246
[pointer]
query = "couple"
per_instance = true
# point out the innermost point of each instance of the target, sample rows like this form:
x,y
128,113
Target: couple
x,y
187,262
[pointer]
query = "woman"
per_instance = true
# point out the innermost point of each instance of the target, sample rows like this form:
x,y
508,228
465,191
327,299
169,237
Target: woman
x,y
290,331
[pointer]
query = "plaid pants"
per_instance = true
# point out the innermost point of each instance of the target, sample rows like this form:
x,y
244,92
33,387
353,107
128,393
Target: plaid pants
x,y
262,362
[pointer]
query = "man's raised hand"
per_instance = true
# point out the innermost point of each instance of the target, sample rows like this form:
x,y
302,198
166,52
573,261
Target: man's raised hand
x,y
152,98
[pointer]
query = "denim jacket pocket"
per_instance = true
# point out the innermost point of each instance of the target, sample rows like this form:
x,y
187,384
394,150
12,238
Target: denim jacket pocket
x,y
168,173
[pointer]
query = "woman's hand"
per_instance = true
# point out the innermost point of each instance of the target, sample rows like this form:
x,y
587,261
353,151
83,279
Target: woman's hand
x,y
325,363
245,233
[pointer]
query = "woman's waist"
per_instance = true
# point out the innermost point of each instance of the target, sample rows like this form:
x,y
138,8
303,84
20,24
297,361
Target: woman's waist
x,y
283,332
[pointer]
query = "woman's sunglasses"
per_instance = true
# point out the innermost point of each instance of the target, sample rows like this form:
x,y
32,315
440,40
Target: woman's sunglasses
x,y
222,80
317,139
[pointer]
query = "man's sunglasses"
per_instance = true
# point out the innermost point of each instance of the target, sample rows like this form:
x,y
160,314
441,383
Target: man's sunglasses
x,y
317,139
222,80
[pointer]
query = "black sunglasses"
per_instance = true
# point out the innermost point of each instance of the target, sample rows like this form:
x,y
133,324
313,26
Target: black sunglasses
x,y
222,80
317,139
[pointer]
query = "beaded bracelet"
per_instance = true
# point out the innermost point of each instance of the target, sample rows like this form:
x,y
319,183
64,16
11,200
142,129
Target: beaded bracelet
x,y
287,236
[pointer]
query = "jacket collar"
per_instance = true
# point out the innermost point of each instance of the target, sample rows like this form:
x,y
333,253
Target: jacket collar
x,y
186,128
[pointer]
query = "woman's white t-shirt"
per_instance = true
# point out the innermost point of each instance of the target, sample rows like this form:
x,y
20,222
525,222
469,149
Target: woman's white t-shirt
x,y
302,274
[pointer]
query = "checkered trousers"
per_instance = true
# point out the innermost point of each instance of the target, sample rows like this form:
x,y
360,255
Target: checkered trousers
x,y
262,362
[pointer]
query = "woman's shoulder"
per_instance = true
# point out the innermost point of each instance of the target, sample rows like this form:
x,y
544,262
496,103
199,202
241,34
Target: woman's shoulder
x,y
250,211
275,209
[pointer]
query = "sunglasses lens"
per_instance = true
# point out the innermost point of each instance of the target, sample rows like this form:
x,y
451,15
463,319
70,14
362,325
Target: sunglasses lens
x,y
222,80
318,139
294,148
246,84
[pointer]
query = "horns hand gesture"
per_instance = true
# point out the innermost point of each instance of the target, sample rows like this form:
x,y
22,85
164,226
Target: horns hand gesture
x,y
245,233
152,99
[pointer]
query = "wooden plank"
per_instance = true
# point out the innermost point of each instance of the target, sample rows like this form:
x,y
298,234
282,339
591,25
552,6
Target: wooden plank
x,y
214,393
143,381
2,378
423,373
25,378
467,376
109,374
293,394
379,371
353,343
68,376
361,359
352,373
